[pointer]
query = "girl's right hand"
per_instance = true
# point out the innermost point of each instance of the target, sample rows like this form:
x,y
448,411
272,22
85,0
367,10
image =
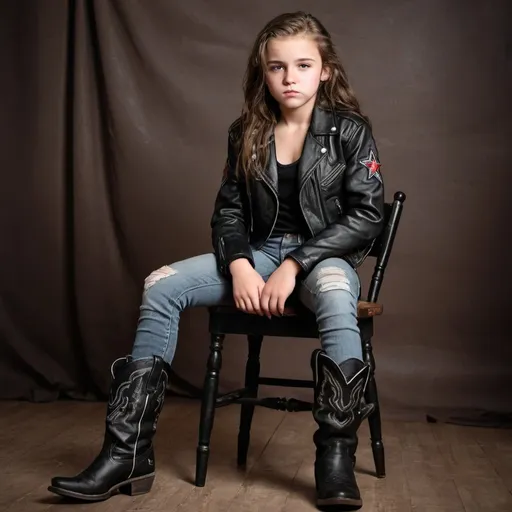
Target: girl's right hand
x,y
247,286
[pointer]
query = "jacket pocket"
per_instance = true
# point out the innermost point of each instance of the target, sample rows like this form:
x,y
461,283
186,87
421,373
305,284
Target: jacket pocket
x,y
334,209
332,175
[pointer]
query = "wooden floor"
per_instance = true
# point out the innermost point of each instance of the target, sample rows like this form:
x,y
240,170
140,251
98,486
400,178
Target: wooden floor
x,y
431,467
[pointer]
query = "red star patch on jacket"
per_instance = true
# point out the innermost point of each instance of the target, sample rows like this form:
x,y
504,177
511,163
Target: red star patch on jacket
x,y
373,166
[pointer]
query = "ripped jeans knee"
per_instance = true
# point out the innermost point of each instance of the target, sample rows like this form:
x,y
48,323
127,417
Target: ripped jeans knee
x,y
333,291
157,275
332,278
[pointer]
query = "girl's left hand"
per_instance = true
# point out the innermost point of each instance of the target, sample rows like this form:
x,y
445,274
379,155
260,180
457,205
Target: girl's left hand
x,y
279,287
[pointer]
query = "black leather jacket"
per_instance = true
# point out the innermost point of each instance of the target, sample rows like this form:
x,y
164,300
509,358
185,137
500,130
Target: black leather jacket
x,y
340,191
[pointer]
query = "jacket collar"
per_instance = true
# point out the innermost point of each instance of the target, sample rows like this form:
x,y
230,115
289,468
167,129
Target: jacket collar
x,y
323,122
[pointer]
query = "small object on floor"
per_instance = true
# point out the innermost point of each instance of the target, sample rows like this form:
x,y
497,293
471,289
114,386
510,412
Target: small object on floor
x,y
478,418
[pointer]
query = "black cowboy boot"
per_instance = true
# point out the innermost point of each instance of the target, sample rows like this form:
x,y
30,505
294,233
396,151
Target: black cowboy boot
x,y
126,461
338,409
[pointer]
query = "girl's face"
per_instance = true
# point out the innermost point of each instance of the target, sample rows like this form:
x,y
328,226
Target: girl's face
x,y
293,70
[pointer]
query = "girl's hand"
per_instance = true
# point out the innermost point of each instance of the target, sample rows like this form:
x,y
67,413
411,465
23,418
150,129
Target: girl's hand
x,y
247,286
279,287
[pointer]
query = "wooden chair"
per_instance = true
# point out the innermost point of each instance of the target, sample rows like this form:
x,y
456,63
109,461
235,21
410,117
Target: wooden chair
x,y
298,324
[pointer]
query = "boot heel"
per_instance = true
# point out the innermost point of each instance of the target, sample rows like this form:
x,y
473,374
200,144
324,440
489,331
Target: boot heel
x,y
137,487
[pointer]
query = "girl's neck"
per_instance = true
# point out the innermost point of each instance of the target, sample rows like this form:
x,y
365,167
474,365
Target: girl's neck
x,y
298,118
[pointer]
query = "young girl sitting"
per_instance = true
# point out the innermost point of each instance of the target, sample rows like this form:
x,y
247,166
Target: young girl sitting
x,y
299,206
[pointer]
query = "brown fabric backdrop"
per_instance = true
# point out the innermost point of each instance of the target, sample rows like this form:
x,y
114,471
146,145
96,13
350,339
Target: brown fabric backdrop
x,y
113,133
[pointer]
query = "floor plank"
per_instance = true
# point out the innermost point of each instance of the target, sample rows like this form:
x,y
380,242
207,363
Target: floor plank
x,y
430,467
431,485
274,475
480,486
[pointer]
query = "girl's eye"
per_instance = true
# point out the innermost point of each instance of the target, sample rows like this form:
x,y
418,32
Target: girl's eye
x,y
278,67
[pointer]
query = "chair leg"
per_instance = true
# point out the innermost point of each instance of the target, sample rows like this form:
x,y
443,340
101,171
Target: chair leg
x,y
252,373
211,385
376,429
374,419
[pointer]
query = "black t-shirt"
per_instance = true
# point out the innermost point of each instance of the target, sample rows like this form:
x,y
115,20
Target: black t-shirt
x,y
289,218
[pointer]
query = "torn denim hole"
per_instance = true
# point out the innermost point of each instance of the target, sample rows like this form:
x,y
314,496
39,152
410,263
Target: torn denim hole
x,y
332,278
158,274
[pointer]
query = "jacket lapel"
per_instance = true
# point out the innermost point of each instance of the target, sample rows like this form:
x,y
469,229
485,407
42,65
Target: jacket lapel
x,y
322,123
311,156
271,170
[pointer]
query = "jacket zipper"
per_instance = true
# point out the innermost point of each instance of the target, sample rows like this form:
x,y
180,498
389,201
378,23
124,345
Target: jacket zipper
x,y
277,211
221,249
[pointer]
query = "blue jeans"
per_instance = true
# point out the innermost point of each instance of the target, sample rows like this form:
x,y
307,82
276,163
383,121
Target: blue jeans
x,y
330,290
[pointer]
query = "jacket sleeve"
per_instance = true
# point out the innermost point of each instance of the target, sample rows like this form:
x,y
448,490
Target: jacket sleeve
x,y
230,237
362,198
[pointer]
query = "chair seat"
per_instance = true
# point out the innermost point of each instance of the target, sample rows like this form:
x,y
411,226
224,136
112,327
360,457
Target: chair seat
x,y
364,310
296,321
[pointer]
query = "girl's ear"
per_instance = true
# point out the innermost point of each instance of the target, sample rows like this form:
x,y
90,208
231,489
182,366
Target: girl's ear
x,y
326,74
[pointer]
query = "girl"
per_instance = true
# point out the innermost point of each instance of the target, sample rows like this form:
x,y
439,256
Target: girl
x,y
299,206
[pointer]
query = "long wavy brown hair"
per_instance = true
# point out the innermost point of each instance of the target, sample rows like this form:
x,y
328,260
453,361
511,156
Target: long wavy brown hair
x,y
261,112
